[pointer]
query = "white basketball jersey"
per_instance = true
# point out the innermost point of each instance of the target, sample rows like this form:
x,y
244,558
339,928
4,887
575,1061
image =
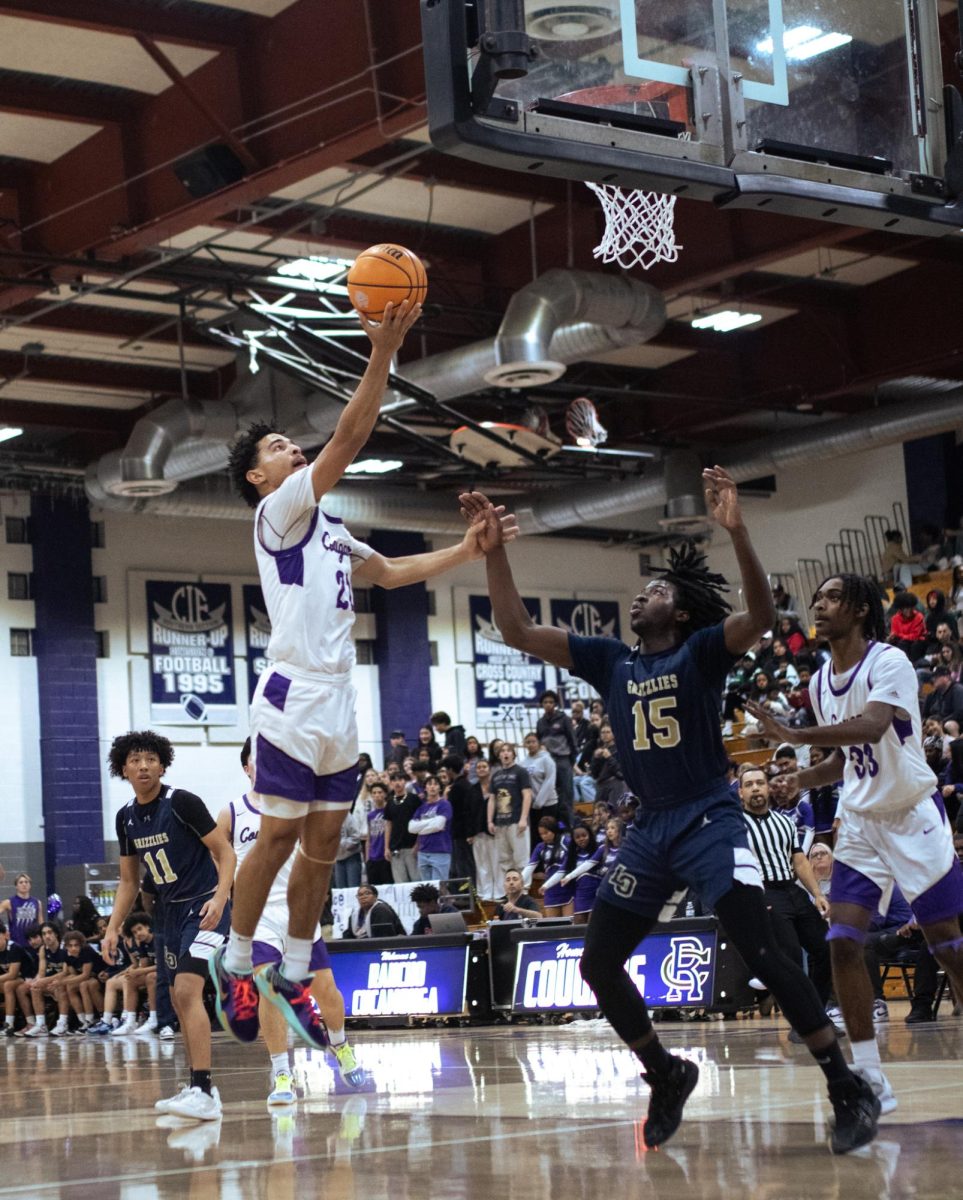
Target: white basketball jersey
x,y
891,775
305,559
245,826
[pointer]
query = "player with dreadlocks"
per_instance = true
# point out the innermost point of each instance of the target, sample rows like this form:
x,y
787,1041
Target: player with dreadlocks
x,y
663,698
893,828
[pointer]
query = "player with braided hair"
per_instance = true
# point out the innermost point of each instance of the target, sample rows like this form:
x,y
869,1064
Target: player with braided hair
x,y
893,828
663,698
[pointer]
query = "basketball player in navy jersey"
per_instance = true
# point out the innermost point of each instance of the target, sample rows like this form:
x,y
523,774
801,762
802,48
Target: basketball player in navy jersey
x,y
192,865
663,697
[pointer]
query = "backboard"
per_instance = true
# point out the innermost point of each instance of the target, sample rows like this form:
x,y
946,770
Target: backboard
x,y
831,109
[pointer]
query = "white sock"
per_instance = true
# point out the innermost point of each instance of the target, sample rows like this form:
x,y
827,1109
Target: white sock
x,y
61,1022
128,1017
297,956
37,1020
279,1063
85,1019
9,1020
866,1055
237,957
337,1037
152,1016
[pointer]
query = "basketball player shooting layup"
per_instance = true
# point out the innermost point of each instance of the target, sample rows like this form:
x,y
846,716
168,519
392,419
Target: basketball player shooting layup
x,y
893,826
303,728
663,698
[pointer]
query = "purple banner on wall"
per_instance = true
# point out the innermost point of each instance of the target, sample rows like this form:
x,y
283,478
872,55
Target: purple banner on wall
x,y
191,646
586,618
257,631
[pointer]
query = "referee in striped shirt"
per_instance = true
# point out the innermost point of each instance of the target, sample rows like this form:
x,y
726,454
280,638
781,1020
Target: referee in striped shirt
x,y
798,920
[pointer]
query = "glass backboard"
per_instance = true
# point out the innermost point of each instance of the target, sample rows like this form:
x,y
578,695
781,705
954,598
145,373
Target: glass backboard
x,y
829,108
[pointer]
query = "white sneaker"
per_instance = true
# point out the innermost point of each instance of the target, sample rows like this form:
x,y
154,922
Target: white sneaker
x,y
36,1031
124,1029
166,1033
836,1016
148,1027
196,1105
61,1029
880,1012
881,1086
163,1106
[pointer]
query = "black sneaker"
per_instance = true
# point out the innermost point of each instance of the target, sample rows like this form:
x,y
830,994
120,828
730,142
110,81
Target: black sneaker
x,y
919,1014
856,1108
669,1094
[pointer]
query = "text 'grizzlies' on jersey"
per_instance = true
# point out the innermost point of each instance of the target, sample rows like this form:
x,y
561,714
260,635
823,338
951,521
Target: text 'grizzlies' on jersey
x,y
166,836
664,711
891,774
305,559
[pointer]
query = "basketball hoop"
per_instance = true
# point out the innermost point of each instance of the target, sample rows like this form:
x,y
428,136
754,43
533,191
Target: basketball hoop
x,y
639,225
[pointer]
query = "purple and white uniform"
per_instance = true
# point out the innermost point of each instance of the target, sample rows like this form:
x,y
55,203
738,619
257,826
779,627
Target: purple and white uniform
x,y
588,864
893,824
549,858
24,912
271,933
304,735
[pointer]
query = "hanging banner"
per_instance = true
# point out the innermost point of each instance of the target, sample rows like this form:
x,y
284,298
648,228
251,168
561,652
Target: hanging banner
x,y
586,618
191,647
507,681
257,630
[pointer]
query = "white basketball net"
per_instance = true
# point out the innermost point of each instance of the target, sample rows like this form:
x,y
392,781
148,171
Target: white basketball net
x,y
639,228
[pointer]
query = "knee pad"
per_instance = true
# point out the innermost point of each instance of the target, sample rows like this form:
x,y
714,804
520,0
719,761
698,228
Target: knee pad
x,y
839,932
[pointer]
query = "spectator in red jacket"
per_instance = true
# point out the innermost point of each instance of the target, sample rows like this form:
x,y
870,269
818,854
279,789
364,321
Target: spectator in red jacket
x,y
907,629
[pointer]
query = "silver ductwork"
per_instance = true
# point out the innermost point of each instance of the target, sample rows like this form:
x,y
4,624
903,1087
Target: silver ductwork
x,y
559,318
936,406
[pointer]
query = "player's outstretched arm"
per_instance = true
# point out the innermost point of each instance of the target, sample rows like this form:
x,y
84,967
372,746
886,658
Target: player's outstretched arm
x,y
510,614
416,568
742,629
361,412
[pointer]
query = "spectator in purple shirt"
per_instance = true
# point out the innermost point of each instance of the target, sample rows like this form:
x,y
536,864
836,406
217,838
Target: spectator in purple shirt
x,y
432,824
377,867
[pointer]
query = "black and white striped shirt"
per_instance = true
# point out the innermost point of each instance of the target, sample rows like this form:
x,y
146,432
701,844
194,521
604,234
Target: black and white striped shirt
x,y
773,839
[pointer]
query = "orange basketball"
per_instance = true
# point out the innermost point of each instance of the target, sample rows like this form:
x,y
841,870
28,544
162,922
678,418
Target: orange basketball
x,y
383,274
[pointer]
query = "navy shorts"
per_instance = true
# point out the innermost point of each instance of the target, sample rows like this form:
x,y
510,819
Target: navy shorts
x,y
187,947
701,844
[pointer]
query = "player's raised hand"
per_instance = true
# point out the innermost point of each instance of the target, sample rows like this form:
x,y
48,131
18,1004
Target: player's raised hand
x,y
389,333
772,729
488,523
722,497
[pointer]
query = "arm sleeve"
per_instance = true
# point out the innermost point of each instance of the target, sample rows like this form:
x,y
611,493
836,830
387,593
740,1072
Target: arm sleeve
x,y
892,680
556,877
191,811
428,825
583,868
593,659
708,649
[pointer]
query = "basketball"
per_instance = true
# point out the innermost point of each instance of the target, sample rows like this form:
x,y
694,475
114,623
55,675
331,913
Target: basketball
x,y
386,274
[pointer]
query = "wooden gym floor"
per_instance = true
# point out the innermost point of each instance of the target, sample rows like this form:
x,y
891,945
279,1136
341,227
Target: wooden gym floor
x,y
506,1112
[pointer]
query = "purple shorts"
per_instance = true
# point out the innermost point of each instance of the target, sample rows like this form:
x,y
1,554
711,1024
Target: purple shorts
x,y
264,952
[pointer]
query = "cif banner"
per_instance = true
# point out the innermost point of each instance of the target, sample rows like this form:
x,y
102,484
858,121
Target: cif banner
x,y
191,647
402,982
507,681
586,618
257,628
671,970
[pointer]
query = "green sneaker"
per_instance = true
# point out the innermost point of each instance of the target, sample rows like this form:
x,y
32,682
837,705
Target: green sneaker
x,y
283,1090
353,1075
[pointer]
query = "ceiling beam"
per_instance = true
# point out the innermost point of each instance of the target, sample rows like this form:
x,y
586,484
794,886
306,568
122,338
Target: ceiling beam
x,y
86,372
38,97
186,27
63,416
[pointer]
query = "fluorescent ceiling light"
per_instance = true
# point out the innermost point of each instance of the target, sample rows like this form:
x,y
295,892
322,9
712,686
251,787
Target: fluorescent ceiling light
x,y
609,450
726,321
9,431
374,466
805,41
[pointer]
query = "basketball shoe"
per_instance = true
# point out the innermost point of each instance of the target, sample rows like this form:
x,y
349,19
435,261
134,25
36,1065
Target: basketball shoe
x,y
669,1094
235,999
196,1104
856,1109
293,999
348,1068
283,1091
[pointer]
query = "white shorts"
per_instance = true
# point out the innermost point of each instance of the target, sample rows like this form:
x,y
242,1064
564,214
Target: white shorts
x,y
912,849
304,742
